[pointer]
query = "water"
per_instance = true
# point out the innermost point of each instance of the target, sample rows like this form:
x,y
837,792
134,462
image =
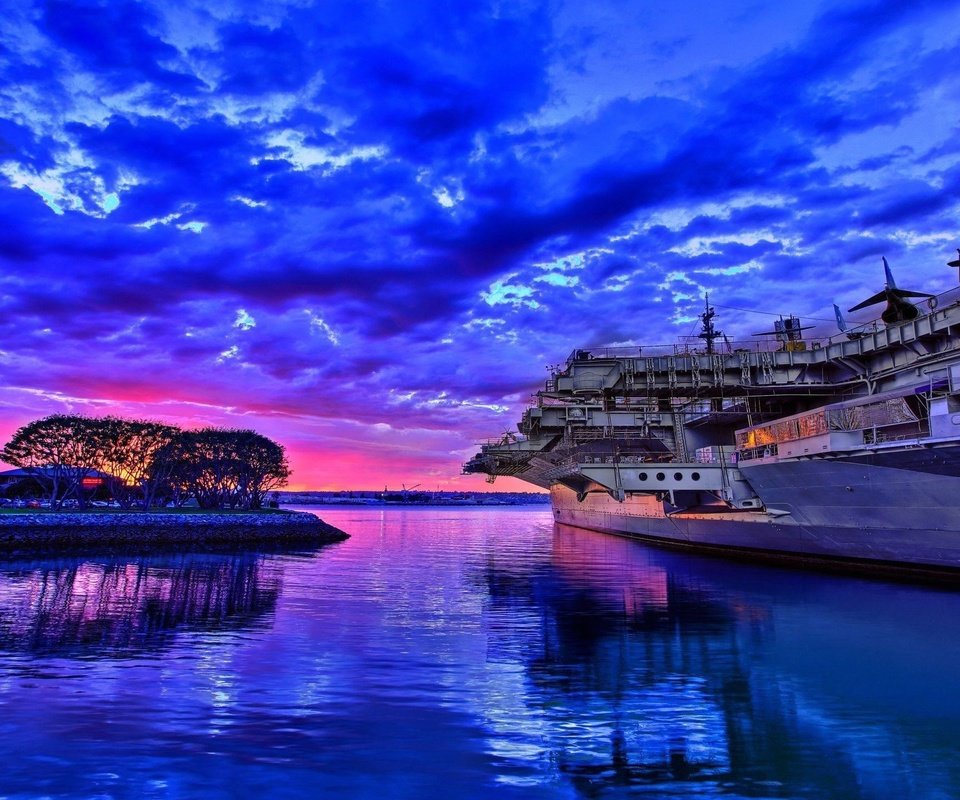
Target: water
x,y
471,653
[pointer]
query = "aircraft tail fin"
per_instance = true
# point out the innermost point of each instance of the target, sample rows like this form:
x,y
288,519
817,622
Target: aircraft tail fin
x,y
840,322
891,283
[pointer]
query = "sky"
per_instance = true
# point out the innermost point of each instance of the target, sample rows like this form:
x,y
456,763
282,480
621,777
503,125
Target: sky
x,y
367,229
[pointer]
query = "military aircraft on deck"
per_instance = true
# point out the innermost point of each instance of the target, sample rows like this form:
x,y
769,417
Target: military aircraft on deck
x,y
957,262
898,309
842,325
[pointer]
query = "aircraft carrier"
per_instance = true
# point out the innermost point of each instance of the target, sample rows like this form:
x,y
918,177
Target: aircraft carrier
x,y
839,453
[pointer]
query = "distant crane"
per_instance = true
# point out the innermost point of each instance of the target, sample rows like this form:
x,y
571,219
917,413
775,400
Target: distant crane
x,y
405,494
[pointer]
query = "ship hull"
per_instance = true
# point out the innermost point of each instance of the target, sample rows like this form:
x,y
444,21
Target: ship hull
x,y
917,550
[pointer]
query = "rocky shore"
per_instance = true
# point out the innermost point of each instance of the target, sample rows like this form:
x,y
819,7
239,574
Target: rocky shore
x,y
133,532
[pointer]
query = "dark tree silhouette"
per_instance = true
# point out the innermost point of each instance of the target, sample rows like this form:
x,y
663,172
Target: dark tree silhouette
x,y
144,461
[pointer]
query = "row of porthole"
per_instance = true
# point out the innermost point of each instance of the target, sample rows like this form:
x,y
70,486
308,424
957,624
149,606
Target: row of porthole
x,y
677,476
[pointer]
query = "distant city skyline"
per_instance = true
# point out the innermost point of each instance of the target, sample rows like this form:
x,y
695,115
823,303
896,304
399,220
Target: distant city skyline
x,y
367,230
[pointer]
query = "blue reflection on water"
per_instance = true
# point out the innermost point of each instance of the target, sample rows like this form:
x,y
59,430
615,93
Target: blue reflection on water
x,y
472,653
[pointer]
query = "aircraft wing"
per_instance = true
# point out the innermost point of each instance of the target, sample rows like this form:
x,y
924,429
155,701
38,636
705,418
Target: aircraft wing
x,y
905,293
879,297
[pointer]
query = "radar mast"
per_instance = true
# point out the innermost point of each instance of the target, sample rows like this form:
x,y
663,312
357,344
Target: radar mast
x,y
709,333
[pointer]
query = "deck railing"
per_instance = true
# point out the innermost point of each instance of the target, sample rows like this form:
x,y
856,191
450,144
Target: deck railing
x,y
770,343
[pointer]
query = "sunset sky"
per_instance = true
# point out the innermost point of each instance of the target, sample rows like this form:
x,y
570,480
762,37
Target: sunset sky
x,y
366,229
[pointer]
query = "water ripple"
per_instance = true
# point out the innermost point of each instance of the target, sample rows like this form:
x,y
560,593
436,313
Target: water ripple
x,y
471,653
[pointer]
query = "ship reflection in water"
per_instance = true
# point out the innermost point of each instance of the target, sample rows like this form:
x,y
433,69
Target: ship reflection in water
x,y
660,672
472,653
81,608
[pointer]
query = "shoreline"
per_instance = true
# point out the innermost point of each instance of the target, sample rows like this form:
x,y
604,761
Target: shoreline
x,y
401,504
52,533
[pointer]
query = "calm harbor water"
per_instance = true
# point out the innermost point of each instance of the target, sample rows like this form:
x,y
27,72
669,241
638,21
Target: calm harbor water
x,y
471,653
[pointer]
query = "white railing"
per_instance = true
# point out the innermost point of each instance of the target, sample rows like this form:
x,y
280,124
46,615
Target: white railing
x,y
924,306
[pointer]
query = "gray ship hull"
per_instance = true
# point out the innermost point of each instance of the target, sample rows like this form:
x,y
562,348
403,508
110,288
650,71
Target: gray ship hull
x,y
846,542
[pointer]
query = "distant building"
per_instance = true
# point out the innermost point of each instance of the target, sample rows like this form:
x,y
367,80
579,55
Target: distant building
x,y
91,482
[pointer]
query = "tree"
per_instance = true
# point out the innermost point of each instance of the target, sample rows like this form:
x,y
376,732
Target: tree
x,y
262,466
138,459
60,451
222,467
134,474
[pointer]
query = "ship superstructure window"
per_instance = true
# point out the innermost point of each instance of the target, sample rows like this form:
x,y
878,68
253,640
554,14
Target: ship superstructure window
x,y
894,411
813,423
884,413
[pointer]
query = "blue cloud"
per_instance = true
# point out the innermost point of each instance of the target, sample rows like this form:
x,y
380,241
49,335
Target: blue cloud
x,y
397,193
118,40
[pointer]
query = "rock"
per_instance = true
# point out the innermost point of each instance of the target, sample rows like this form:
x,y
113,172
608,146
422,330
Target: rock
x,y
137,531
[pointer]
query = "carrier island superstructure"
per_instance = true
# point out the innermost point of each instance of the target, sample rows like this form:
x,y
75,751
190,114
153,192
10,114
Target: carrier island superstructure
x,y
838,452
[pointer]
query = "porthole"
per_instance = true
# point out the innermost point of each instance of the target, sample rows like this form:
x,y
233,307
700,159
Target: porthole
x,y
643,476
661,476
678,476
695,476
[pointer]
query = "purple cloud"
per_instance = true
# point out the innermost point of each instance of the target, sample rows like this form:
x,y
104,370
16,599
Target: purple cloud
x,y
368,230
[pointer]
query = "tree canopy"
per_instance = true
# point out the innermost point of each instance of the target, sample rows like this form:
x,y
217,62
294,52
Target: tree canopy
x,y
144,463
